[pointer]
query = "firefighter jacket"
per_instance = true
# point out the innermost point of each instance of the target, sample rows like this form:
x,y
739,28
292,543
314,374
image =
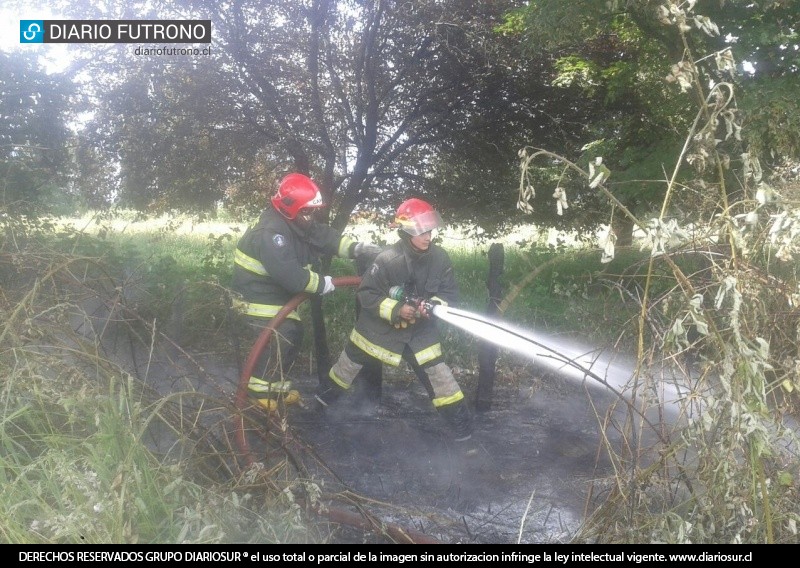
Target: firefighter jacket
x,y
428,275
274,261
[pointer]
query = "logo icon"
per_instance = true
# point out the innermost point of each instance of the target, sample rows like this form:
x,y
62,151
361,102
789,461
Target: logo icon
x,y
31,31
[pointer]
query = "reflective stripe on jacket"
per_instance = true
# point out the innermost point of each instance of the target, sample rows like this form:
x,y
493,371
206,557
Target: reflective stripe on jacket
x,y
274,258
431,275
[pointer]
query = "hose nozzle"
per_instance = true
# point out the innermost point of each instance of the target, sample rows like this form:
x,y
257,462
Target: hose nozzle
x,y
425,307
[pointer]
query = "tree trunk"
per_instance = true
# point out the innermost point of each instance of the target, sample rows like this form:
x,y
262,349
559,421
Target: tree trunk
x,y
487,352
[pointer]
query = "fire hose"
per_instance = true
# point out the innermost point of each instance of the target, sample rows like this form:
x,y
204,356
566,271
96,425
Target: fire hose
x,y
360,521
498,332
580,365
506,336
242,398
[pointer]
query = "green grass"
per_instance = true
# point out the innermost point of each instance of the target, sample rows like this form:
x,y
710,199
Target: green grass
x,y
75,464
77,460
183,264
75,469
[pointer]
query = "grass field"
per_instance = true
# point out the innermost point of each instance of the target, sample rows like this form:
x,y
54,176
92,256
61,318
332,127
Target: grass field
x,y
75,469
562,298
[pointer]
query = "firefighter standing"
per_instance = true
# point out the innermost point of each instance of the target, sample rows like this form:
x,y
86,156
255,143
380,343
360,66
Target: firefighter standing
x,y
389,329
274,260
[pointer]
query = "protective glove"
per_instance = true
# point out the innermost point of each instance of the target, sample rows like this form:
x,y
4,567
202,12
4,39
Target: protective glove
x,y
329,287
406,315
367,249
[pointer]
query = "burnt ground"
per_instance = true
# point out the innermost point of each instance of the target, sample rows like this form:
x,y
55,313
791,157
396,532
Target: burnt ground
x,y
524,477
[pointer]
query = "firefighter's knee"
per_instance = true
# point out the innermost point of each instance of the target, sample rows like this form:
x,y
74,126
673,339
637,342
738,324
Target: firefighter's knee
x,y
344,371
442,381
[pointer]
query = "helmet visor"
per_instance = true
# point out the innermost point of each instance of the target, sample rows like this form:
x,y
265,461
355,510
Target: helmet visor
x,y
420,223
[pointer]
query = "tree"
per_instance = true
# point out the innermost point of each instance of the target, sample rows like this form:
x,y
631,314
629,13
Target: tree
x,y
620,58
475,171
33,133
769,40
178,144
365,96
360,93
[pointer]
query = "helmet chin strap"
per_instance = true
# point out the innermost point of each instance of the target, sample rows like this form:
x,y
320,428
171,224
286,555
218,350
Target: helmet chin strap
x,y
304,217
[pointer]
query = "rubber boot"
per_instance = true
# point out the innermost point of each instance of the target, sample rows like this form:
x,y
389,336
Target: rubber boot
x,y
328,392
274,402
272,395
459,417
368,388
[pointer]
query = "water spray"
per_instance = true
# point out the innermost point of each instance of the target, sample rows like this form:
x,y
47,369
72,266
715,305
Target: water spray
x,y
576,364
565,358
570,362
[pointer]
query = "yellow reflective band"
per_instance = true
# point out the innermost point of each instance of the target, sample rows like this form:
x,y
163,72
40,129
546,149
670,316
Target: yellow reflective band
x,y
385,309
429,353
249,263
438,299
445,400
344,246
265,311
313,282
258,385
375,350
338,380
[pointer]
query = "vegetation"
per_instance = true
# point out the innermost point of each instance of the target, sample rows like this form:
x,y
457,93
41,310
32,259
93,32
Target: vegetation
x,y
92,448
724,476
33,134
99,447
674,121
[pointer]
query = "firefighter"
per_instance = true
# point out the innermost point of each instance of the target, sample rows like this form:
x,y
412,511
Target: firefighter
x,y
389,330
274,260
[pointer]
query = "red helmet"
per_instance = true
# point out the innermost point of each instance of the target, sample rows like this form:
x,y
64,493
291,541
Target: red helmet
x,y
415,217
296,192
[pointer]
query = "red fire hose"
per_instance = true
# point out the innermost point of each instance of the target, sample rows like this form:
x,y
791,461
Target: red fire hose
x,y
400,534
260,344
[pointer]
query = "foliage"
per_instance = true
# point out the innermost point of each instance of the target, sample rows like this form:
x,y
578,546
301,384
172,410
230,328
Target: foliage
x,y
570,292
771,126
720,472
620,58
168,478
378,100
89,451
472,173
177,144
33,155
359,95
